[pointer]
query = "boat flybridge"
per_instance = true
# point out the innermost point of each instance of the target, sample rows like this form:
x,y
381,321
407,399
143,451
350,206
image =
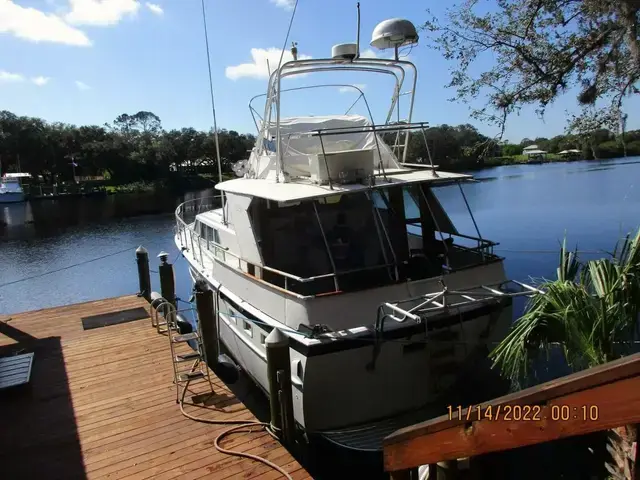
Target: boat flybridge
x,y
334,237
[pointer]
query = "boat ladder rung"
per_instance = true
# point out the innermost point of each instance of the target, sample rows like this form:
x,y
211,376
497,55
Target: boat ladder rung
x,y
185,338
183,377
185,357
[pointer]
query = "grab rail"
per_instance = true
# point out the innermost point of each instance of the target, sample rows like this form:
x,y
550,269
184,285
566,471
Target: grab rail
x,y
187,234
191,239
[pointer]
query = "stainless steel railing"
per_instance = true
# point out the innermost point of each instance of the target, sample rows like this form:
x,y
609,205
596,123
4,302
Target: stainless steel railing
x,y
202,247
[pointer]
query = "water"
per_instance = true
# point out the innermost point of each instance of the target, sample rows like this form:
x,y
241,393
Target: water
x,y
54,235
527,208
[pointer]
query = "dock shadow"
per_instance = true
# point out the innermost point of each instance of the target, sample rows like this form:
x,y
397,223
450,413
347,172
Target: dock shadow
x,y
39,435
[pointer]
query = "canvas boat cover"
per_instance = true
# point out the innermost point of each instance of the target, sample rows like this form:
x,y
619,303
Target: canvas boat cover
x,y
297,147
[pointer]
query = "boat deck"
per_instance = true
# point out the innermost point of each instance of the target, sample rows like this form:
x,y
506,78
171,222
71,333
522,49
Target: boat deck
x,y
101,403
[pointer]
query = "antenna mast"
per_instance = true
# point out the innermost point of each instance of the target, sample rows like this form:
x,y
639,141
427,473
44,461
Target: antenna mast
x,y
213,110
358,34
286,40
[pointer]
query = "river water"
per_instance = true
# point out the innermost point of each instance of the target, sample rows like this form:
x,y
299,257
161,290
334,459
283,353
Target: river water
x,y
48,248
527,208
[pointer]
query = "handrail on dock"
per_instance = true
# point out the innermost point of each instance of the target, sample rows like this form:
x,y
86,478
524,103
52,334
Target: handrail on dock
x,y
600,398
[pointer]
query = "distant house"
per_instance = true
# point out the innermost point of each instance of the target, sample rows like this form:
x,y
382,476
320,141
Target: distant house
x,y
534,154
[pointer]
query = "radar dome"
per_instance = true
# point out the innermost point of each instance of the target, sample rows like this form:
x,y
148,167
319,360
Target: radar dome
x,y
392,33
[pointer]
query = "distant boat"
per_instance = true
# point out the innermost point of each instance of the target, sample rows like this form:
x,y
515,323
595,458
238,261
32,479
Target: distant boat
x,y
11,188
534,154
572,154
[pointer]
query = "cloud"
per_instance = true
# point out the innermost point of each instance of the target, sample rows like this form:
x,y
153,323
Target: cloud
x,y
36,26
368,53
361,86
82,85
258,68
100,12
286,4
7,77
40,80
155,8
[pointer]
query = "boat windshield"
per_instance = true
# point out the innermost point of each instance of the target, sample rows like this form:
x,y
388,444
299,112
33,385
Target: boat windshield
x,y
361,240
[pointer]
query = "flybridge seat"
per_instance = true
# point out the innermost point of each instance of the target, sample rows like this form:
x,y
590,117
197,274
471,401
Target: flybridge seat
x,y
339,157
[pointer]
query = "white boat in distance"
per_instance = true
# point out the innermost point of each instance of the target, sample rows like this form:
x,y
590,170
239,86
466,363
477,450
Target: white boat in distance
x,y
11,188
332,237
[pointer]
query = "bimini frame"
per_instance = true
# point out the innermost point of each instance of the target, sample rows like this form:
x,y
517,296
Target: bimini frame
x,y
397,69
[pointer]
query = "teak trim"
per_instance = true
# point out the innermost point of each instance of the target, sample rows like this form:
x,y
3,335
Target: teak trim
x,y
613,387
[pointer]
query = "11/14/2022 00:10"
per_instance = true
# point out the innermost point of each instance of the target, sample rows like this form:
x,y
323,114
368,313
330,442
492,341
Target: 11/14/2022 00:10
x,y
527,413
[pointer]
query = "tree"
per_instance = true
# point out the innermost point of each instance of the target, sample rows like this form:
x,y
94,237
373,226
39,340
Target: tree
x,y
147,122
593,127
540,48
510,150
592,313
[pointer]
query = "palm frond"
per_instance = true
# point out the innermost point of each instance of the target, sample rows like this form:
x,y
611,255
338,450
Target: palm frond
x,y
569,263
590,310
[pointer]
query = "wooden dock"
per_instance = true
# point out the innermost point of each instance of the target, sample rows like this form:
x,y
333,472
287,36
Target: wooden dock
x,y
101,404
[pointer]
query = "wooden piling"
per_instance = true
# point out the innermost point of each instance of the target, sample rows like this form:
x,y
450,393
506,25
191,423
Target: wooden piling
x,y
167,279
280,393
207,323
144,278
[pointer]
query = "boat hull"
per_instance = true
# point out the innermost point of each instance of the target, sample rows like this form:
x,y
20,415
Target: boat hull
x,y
350,382
12,197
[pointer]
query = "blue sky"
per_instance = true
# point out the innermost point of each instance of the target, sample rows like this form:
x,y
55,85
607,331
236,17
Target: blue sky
x,y
87,61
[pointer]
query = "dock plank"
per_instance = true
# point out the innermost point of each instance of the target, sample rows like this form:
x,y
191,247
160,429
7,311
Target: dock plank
x,y
101,404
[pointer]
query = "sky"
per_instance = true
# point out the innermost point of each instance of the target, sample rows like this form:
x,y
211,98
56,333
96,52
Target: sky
x,y
87,61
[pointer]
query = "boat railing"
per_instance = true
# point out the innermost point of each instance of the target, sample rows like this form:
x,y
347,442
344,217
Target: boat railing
x,y
380,129
201,247
475,245
419,307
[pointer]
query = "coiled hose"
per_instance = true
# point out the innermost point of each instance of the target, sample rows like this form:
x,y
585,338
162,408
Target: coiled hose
x,y
238,424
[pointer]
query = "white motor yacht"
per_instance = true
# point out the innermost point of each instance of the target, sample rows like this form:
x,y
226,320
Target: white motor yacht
x,y
332,236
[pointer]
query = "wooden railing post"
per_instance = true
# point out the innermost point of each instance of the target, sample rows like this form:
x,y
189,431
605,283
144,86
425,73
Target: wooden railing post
x,y
597,399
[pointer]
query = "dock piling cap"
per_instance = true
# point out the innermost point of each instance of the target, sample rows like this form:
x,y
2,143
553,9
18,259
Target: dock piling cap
x,y
163,256
276,339
141,250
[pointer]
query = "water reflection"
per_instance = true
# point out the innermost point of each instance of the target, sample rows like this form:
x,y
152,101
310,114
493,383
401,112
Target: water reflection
x,y
45,217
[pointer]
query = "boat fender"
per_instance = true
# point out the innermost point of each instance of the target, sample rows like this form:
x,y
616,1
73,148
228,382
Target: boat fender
x,y
156,299
183,325
226,369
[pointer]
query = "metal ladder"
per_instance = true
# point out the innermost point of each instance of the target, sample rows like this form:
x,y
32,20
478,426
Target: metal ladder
x,y
188,365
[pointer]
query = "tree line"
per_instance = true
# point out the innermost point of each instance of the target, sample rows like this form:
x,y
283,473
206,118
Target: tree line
x,y
464,147
131,148
136,147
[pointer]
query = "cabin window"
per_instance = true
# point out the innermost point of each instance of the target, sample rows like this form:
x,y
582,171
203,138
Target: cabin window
x,y
219,252
209,234
232,313
247,327
309,238
263,339
353,233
